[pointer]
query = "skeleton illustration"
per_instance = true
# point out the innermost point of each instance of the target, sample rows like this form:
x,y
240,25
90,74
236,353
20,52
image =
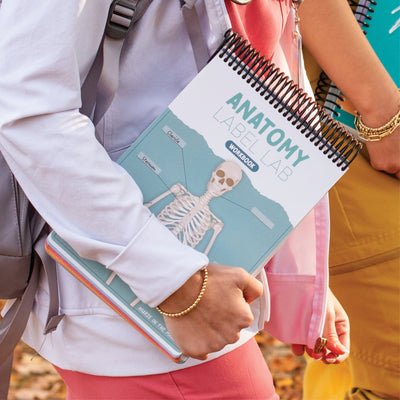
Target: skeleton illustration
x,y
188,216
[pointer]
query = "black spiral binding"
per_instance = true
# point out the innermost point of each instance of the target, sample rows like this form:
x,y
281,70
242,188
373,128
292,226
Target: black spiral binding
x,y
290,100
324,86
362,11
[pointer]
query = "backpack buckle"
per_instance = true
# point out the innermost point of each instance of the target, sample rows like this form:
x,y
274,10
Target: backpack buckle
x,y
121,18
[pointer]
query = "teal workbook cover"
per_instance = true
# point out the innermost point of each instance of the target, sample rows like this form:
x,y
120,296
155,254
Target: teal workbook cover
x,y
230,168
380,21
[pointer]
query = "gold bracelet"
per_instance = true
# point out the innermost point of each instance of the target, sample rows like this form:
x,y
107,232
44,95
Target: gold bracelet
x,y
368,134
190,308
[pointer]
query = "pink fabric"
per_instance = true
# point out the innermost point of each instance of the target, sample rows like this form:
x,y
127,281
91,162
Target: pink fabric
x,y
238,375
298,280
262,22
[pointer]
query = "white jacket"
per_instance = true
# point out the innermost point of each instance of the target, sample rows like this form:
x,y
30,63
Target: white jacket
x,y
46,50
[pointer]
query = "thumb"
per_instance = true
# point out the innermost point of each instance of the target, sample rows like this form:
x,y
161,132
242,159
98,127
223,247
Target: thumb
x,y
335,346
333,342
337,328
252,289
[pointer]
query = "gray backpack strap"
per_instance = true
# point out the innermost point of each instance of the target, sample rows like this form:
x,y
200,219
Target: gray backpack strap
x,y
195,33
13,325
5,374
101,84
14,322
102,81
49,264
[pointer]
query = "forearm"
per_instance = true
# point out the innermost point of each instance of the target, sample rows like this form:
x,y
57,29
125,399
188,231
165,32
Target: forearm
x,y
332,35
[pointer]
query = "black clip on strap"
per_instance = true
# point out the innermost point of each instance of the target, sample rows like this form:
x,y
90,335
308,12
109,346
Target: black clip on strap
x,y
102,81
122,16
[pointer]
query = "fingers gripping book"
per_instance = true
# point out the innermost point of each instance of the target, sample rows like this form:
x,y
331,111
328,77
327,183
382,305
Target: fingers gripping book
x,y
230,167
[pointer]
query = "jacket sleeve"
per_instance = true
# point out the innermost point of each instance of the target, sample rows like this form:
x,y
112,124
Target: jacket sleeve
x,y
46,50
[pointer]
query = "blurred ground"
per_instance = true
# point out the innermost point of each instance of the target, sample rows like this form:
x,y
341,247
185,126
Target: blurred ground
x,y
33,378
287,369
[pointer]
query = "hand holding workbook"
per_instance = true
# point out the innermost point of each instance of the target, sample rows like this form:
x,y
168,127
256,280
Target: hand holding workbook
x,y
214,323
230,167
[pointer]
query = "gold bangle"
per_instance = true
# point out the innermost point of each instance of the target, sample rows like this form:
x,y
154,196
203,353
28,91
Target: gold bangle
x,y
368,134
190,308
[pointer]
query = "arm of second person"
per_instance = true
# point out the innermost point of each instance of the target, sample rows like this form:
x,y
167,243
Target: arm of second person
x,y
332,35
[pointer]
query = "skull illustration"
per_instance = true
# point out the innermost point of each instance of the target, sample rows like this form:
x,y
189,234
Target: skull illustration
x,y
224,178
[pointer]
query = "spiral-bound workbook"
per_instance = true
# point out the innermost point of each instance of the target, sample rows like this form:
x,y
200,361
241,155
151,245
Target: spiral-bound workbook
x,y
380,21
230,167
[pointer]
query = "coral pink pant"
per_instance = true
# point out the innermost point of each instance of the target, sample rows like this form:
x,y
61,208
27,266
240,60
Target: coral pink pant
x,y
239,375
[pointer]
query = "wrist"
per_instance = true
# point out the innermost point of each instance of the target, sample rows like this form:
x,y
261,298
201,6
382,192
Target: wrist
x,y
369,127
379,108
186,298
